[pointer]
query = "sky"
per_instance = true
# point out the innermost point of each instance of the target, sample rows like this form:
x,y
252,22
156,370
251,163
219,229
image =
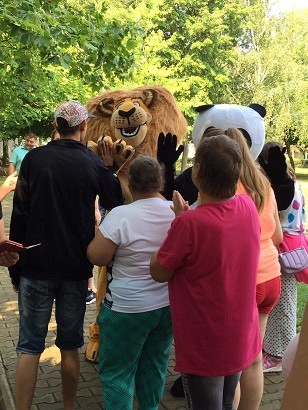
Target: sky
x,y
286,5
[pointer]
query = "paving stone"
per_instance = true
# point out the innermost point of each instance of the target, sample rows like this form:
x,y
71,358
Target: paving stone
x,y
51,406
85,376
44,398
54,381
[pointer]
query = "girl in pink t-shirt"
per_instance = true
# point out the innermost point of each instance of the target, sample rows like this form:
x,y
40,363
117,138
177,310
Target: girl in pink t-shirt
x,y
210,258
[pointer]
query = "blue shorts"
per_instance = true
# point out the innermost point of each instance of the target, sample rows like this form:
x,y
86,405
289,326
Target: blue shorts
x,y
35,300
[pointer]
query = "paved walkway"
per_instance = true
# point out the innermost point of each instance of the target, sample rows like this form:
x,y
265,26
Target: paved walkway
x,y
48,389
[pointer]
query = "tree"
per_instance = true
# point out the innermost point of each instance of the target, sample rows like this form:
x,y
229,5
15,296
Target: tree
x,y
272,69
48,51
188,46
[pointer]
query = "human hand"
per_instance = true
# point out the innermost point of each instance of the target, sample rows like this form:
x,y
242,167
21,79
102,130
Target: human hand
x,y
92,146
105,151
179,204
8,259
167,152
276,166
10,181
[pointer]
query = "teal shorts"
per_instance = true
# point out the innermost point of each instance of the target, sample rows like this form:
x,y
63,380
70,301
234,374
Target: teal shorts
x,y
134,354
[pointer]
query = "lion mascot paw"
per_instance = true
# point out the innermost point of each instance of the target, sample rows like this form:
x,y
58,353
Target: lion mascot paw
x,y
92,349
122,152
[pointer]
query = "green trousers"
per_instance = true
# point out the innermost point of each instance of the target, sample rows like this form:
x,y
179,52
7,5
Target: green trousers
x,y
134,353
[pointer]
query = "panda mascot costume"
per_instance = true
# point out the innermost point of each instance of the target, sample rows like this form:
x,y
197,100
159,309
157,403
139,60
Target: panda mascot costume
x,y
250,121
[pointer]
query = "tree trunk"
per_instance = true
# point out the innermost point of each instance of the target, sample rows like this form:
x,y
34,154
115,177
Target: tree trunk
x,y
288,146
5,156
185,156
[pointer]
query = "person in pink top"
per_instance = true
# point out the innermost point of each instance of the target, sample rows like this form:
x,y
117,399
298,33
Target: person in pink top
x,y
210,258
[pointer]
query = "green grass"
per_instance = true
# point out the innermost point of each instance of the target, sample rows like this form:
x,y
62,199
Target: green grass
x,y
302,174
302,298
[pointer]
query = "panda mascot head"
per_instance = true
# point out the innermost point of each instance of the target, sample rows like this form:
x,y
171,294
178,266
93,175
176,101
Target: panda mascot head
x,y
250,120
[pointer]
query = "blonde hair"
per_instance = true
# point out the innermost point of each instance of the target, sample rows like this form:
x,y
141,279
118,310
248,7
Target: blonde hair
x,y
254,181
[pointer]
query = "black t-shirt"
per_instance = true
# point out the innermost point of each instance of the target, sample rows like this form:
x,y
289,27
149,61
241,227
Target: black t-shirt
x,y
54,205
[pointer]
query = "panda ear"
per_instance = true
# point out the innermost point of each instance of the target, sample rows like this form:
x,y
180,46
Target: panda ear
x,y
259,108
205,107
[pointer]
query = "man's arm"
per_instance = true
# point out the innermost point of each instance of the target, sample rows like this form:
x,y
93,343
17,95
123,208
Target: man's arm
x,y
12,168
110,192
13,161
8,185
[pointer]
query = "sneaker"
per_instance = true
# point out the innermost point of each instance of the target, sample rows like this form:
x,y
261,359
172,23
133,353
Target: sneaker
x,y
91,297
271,363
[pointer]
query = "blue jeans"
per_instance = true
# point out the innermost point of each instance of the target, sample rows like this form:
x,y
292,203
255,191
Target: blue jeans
x,y
210,393
35,300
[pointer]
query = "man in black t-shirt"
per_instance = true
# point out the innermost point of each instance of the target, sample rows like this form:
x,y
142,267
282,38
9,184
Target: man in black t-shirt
x,y
54,205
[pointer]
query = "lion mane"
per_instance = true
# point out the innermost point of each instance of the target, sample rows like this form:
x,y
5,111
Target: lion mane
x,y
164,116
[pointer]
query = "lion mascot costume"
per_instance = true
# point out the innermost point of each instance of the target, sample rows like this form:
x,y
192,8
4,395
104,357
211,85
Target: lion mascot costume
x,y
132,122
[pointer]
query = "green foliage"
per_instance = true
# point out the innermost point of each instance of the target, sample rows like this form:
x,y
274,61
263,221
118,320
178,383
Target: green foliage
x,y
272,69
187,46
234,51
49,50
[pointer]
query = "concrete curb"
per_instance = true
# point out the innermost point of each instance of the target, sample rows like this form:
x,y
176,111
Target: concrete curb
x,y
6,395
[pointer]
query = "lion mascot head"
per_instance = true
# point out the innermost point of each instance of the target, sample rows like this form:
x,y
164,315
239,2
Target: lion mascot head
x,y
132,121
137,117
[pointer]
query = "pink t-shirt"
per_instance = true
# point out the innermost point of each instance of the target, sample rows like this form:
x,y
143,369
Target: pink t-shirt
x,y
214,251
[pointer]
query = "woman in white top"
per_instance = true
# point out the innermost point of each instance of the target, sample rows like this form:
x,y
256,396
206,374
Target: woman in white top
x,y
134,319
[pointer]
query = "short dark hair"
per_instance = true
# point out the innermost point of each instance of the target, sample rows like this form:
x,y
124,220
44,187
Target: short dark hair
x,y
220,163
63,129
146,175
31,135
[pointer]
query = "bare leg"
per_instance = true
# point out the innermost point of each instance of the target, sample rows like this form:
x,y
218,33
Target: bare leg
x,y
70,369
295,393
252,378
26,376
237,395
263,322
91,284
